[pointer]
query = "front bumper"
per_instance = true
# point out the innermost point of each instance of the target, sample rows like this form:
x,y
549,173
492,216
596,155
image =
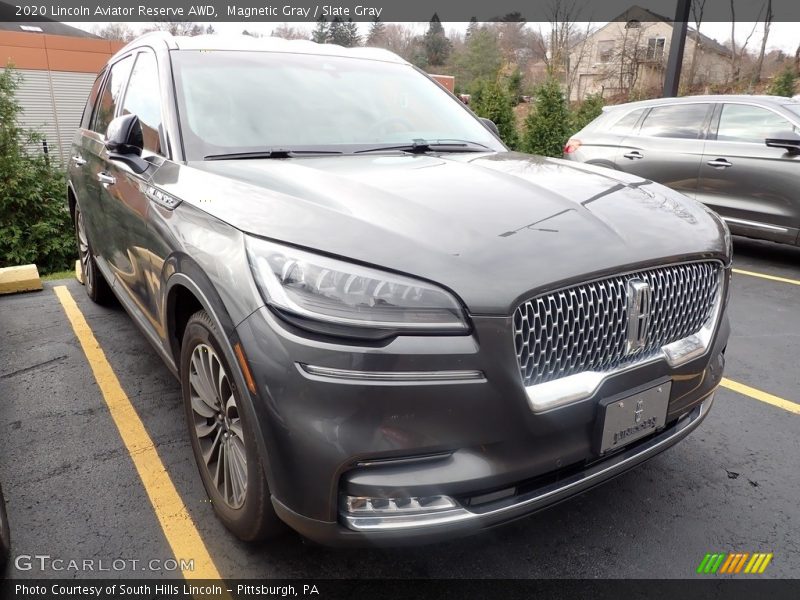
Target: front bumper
x,y
329,436
463,521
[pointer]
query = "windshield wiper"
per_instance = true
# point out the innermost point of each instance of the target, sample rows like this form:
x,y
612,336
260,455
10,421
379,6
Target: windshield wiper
x,y
270,153
420,146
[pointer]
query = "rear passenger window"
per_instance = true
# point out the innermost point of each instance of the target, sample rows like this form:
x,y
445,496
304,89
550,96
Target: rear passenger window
x,y
111,95
625,125
742,123
143,100
684,121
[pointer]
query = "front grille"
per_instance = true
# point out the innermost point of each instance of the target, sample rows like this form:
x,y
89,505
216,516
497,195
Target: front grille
x,y
584,328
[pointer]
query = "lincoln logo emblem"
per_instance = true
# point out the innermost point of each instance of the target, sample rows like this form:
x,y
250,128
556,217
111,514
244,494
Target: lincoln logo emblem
x,y
639,298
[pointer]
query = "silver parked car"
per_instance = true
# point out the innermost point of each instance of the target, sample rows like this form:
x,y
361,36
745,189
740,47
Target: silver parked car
x,y
740,155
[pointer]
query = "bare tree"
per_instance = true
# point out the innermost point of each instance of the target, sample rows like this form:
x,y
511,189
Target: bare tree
x,y
114,31
760,64
184,28
698,7
288,32
631,59
797,59
736,56
564,46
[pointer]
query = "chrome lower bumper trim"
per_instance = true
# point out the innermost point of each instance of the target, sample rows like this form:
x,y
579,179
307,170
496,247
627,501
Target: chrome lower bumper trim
x,y
597,473
389,377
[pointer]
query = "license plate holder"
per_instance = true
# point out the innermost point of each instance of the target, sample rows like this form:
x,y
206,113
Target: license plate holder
x,y
625,419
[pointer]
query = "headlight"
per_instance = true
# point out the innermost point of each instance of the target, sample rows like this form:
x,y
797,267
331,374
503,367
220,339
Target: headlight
x,y
346,295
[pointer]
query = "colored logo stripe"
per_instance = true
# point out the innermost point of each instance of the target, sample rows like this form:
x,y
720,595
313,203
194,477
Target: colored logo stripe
x,y
734,563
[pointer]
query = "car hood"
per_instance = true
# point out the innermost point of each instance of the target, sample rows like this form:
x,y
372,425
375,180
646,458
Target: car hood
x,y
494,228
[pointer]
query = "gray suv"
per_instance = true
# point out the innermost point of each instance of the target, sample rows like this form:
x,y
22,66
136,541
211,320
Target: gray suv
x,y
740,155
387,327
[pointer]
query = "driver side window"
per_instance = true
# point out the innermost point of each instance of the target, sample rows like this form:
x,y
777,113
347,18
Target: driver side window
x,y
143,100
111,95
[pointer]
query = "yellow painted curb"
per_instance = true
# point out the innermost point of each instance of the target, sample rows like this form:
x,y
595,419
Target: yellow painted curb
x,y
78,272
19,279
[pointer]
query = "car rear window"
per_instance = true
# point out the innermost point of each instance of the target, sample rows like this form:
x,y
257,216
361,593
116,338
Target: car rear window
x,y
626,122
684,121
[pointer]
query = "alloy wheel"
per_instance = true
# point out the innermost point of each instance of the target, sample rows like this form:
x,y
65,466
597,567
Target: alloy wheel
x,y
83,251
217,425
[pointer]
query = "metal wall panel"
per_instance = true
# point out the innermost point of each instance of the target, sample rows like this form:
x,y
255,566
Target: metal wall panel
x,y
52,104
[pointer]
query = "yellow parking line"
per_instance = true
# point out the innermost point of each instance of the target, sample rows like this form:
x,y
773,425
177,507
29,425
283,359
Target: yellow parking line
x,y
179,529
765,276
752,392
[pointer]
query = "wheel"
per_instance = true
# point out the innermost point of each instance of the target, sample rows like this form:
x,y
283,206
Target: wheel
x,y
96,286
222,438
5,536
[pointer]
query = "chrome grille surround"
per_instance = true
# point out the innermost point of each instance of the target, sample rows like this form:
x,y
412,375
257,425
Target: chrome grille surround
x,y
583,328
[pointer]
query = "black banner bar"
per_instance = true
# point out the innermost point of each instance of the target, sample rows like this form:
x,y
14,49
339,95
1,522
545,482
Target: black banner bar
x,y
368,10
708,588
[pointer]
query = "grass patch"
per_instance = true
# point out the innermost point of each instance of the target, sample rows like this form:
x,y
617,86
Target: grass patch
x,y
58,275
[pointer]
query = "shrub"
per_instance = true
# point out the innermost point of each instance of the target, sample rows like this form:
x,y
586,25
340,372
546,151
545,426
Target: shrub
x,y
491,101
35,225
547,126
588,111
783,84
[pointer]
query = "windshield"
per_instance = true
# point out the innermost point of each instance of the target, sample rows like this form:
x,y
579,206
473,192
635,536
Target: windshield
x,y
233,101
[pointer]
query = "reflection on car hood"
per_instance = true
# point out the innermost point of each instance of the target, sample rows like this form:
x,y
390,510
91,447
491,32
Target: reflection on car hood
x,y
492,227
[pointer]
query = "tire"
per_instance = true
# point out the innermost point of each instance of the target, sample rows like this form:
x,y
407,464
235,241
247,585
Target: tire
x,y
219,429
5,536
97,287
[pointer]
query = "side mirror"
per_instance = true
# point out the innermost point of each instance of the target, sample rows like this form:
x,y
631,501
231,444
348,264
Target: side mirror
x,y
491,125
124,142
788,140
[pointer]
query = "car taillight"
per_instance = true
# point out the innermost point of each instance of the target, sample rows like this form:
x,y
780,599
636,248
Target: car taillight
x,y
572,146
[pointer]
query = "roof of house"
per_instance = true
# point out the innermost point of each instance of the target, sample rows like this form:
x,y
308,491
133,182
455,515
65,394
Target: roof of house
x,y
642,14
7,23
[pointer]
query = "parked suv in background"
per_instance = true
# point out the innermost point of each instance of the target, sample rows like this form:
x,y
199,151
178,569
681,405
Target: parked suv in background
x,y
387,327
740,155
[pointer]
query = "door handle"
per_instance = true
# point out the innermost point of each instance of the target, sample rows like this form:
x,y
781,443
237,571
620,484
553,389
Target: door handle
x,y
634,155
719,163
78,160
106,179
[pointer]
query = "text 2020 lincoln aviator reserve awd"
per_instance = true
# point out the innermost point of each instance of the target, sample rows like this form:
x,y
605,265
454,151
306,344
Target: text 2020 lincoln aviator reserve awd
x,y
387,327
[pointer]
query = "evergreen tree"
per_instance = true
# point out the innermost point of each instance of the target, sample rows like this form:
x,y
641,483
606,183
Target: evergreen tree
x,y
480,60
784,83
336,33
377,31
471,28
547,126
350,35
491,101
437,46
321,32
589,110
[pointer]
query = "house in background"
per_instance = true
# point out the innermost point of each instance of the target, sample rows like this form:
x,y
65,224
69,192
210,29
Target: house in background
x,y
59,64
630,54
